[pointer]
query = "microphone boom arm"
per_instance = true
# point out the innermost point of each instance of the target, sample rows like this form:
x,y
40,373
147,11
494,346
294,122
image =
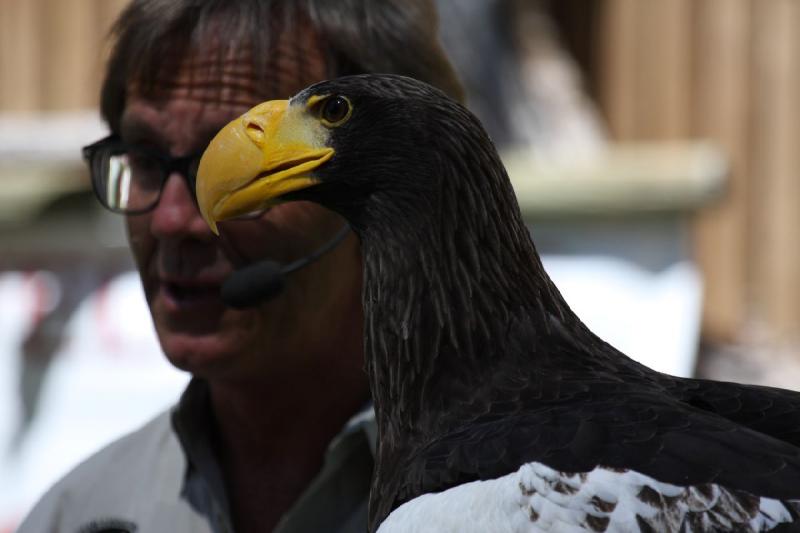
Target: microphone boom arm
x,y
264,280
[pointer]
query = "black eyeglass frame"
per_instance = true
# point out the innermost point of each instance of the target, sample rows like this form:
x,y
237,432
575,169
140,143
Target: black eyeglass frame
x,y
113,145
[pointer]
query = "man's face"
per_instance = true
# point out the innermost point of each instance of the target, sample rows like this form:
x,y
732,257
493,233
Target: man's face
x,y
182,264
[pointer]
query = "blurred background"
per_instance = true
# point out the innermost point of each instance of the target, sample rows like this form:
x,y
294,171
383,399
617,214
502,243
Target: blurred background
x,y
654,147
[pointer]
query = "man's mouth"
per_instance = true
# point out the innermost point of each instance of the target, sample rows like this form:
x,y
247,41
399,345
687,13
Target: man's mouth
x,y
184,296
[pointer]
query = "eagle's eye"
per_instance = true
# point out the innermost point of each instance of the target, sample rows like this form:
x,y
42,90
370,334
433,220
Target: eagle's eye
x,y
335,110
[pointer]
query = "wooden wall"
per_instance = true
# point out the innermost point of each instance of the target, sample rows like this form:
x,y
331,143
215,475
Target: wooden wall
x,y
727,70
51,52
661,69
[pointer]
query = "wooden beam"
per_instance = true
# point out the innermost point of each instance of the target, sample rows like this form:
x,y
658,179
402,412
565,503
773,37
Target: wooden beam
x,y
662,68
71,55
720,98
617,57
20,50
644,84
775,202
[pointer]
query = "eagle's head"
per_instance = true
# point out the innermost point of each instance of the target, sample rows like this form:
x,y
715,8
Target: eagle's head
x,y
366,146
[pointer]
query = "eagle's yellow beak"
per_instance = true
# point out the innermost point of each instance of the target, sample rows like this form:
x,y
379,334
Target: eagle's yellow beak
x,y
258,157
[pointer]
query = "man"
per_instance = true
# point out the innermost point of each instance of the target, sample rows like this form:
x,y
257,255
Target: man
x,y
256,442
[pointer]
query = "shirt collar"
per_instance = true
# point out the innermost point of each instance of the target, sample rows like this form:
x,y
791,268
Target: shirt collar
x,y
204,487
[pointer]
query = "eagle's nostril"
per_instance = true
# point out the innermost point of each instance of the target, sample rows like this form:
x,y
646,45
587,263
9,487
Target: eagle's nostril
x,y
254,130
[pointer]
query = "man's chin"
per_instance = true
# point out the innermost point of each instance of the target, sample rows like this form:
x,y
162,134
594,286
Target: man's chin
x,y
207,341
203,355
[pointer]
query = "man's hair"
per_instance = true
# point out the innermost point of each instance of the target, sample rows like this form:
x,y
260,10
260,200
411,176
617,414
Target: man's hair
x,y
357,36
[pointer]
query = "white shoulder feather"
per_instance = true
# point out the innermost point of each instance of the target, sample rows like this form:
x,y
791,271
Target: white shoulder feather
x,y
537,499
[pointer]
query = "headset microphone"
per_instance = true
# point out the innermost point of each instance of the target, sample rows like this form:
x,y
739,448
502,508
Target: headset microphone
x,y
264,280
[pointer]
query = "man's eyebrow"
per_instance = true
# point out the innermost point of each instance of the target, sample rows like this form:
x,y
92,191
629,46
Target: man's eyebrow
x,y
134,131
137,133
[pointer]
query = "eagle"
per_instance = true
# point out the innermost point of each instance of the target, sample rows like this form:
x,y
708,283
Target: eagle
x,y
497,408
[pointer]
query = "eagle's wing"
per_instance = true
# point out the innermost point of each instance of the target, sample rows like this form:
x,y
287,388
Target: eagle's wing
x,y
598,434
768,410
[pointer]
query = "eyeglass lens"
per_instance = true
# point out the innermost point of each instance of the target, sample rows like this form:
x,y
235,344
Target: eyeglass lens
x,y
129,180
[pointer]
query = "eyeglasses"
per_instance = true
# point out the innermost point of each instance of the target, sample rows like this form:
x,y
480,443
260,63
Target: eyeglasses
x,y
129,179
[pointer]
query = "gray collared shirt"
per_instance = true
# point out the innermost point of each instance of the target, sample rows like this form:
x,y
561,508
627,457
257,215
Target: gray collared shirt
x,y
165,477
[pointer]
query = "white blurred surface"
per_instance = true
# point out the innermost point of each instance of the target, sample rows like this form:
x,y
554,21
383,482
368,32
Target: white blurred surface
x,y
108,378
652,317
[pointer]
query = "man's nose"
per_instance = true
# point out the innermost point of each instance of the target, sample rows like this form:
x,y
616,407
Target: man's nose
x,y
177,213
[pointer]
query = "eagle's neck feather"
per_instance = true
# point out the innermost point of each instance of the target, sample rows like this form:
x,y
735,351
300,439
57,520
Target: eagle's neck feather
x,y
444,287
